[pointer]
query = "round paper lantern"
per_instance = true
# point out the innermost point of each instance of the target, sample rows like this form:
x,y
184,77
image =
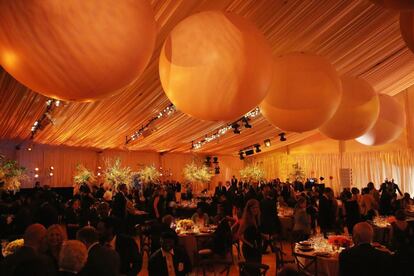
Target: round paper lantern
x,y
407,29
305,92
76,50
399,5
389,125
215,66
357,112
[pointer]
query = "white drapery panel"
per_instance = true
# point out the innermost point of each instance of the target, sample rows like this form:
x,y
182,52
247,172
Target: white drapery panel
x,y
366,166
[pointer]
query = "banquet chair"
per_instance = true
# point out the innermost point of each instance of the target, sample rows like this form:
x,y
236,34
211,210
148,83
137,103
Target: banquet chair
x,y
143,232
308,265
246,268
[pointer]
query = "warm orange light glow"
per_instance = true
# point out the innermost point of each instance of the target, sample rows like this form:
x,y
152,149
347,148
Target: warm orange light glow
x,y
9,59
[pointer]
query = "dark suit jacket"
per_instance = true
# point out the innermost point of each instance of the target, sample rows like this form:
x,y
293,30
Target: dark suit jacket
x,y
157,264
102,261
131,259
119,206
220,191
364,260
26,261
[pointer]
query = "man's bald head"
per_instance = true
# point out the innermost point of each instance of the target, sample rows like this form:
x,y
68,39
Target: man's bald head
x,y
362,233
34,235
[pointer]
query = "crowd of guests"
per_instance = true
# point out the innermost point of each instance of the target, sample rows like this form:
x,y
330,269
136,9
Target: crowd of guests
x,y
95,231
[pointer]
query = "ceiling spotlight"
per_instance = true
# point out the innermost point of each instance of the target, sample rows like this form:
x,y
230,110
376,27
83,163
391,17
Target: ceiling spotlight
x,y
29,148
37,169
215,160
249,152
36,176
99,174
282,136
99,167
52,168
267,143
246,122
51,174
236,129
241,153
257,146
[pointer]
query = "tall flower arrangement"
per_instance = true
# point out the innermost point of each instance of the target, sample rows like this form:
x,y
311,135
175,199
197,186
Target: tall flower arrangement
x,y
83,175
252,173
11,174
115,174
194,173
149,174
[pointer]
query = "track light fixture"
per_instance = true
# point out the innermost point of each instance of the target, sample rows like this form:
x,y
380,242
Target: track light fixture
x,y
245,120
282,136
257,147
236,128
267,143
241,154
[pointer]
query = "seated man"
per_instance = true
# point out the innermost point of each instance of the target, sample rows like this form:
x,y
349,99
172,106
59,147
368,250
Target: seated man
x,y
125,246
169,259
363,259
102,260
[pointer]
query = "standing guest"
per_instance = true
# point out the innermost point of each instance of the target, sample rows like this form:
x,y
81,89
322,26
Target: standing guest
x,y
368,204
234,181
127,248
158,203
220,190
28,260
302,221
374,192
169,259
351,210
249,233
119,205
55,236
270,221
363,259
102,260
72,258
327,211
73,218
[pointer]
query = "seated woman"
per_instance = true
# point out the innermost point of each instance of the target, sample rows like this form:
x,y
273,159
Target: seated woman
x,y
302,221
200,218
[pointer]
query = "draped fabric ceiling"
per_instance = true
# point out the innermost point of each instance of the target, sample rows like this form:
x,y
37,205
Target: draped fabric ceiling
x,y
356,36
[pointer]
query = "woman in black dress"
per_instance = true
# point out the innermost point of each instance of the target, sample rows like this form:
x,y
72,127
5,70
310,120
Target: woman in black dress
x,y
249,232
351,209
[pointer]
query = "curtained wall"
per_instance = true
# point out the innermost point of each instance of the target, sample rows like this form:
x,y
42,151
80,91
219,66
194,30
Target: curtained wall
x,y
64,160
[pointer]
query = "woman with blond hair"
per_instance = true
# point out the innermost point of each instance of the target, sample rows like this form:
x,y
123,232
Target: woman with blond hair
x,y
72,258
55,236
249,232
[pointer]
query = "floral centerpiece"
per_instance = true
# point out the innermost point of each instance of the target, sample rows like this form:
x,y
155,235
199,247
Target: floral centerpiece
x,y
340,240
115,174
83,175
185,225
149,174
194,173
11,175
252,173
12,247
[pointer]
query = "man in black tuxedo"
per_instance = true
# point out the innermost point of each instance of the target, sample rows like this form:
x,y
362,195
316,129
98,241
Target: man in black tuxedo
x,y
125,246
363,259
234,181
169,259
220,190
119,209
102,260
